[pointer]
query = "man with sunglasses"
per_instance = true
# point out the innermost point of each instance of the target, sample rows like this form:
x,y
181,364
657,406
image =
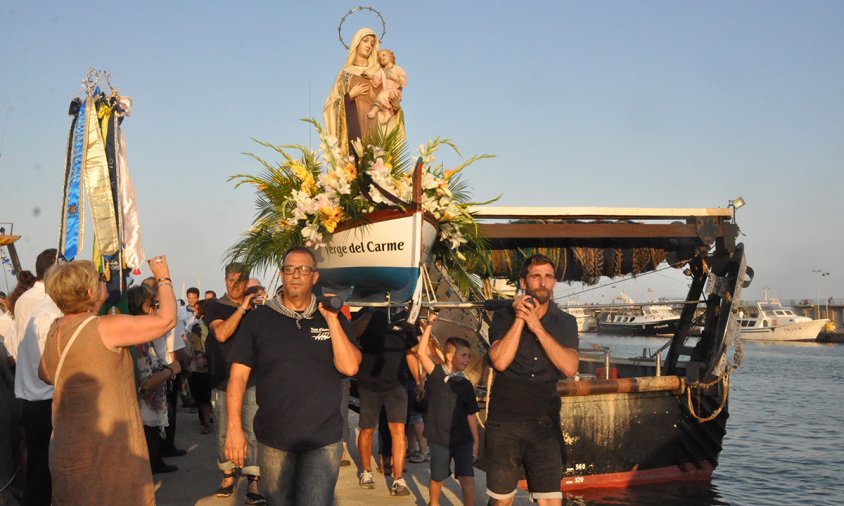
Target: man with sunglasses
x,y
297,351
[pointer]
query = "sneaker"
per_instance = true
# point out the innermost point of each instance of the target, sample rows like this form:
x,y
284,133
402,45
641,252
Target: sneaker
x,y
417,457
399,488
366,480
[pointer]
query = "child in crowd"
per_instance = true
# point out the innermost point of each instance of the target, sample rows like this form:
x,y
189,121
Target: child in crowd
x,y
450,423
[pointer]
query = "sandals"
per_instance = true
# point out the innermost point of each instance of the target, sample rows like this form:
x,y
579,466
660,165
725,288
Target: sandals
x,y
253,498
229,490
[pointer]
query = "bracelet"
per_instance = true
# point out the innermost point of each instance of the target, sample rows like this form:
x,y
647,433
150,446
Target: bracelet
x,y
166,283
163,279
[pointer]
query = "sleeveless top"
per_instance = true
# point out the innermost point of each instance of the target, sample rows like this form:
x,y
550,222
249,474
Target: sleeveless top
x,y
98,453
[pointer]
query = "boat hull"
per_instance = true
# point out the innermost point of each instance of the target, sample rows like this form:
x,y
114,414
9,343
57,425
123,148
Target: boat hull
x,y
803,331
622,440
643,329
365,261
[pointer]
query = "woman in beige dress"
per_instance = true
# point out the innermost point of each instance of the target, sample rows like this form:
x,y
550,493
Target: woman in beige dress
x,y
98,454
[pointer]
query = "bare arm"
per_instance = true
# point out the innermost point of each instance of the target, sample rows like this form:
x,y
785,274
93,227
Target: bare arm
x,y
224,329
156,379
235,391
124,330
473,428
424,346
346,355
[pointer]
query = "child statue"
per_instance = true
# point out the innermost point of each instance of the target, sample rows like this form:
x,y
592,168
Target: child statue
x,y
391,79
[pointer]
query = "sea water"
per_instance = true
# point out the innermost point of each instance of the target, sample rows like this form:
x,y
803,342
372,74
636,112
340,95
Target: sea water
x,y
785,435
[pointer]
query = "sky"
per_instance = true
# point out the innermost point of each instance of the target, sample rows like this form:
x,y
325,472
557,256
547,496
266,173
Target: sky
x,y
598,103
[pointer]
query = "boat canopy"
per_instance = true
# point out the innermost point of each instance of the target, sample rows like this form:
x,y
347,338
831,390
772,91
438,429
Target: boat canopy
x,y
589,242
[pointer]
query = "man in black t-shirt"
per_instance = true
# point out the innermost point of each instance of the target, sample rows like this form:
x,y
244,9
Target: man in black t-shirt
x,y
381,381
223,316
533,345
297,352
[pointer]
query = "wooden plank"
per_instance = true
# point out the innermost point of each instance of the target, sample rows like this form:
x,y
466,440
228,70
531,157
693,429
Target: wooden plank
x,y
507,212
497,231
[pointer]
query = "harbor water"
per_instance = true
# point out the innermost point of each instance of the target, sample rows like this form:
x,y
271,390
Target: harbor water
x,y
785,434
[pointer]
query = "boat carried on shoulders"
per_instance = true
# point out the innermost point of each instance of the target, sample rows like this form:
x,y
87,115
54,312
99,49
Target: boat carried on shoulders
x,y
773,322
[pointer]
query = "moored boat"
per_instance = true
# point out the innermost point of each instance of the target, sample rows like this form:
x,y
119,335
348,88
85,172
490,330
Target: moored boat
x,y
630,421
586,322
773,322
647,320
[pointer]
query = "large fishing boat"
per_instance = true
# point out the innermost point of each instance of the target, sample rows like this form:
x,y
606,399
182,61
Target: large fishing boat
x,y
773,322
624,421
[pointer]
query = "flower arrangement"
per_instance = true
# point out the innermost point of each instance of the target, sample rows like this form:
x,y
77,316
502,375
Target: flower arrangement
x,y
302,198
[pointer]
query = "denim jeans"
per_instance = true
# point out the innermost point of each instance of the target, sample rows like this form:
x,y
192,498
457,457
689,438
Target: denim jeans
x,y
306,478
250,407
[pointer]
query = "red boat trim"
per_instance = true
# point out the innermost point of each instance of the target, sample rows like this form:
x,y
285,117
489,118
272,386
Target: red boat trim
x,y
687,472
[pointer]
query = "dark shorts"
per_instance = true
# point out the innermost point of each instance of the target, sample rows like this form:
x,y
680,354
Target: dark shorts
x,y
441,457
200,387
393,400
531,444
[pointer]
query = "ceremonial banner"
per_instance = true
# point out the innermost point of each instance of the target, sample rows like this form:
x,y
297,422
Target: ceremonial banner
x,y
73,209
133,250
98,185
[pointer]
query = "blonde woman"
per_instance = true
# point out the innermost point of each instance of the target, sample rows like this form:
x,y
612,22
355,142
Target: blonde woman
x,y
98,454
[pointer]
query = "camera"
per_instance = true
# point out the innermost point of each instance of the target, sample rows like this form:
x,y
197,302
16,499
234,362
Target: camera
x,y
260,295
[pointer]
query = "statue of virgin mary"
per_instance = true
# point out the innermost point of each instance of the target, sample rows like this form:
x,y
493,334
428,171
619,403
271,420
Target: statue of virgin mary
x,y
353,94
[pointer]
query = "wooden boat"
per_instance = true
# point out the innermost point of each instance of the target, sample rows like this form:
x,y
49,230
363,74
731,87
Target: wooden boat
x,y
369,260
629,422
380,257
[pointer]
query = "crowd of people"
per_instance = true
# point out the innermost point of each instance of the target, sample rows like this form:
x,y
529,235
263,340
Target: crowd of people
x,y
95,389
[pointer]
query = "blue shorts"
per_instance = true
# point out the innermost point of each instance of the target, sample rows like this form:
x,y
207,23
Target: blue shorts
x,y
441,457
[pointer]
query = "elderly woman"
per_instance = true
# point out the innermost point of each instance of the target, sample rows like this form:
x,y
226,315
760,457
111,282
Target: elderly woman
x,y
98,454
352,95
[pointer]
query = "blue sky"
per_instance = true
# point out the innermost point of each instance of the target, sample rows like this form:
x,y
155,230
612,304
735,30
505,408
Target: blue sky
x,y
626,104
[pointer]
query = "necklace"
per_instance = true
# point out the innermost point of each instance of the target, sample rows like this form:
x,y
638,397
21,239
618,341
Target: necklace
x,y
277,304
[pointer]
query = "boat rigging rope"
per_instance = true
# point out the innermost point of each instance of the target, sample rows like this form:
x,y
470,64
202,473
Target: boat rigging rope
x,y
733,341
724,380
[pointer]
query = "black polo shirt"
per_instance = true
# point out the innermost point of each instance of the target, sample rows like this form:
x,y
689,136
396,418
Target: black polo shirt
x,y
297,386
527,388
449,404
384,347
216,352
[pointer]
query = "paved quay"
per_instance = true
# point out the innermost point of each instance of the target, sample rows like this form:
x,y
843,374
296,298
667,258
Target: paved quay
x,y
197,478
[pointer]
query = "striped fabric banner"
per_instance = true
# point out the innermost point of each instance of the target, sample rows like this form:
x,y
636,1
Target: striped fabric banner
x,y
73,219
133,249
98,184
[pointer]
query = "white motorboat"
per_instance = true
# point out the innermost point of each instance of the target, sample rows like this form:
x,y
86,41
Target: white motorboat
x,y
586,322
649,320
773,322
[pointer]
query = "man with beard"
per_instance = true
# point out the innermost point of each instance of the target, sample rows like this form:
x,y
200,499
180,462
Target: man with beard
x,y
533,345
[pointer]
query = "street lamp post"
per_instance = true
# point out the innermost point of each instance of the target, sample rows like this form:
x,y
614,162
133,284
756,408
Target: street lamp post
x,y
821,274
